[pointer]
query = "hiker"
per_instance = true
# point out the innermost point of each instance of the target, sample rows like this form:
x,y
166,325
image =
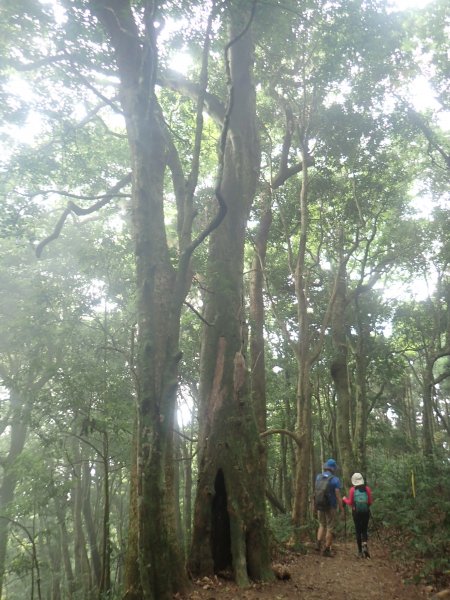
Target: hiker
x,y
360,499
327,499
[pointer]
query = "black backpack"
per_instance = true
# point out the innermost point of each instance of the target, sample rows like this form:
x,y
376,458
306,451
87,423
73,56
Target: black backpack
x,y
322,492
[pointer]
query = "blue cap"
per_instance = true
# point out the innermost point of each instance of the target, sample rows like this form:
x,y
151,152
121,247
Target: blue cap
x,y
330,464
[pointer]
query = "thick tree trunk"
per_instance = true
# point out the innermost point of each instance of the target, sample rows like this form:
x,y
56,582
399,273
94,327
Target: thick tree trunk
x,y
159,298
229,517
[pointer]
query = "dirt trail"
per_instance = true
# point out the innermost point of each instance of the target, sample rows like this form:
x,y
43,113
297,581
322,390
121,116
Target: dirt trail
x,y
313,577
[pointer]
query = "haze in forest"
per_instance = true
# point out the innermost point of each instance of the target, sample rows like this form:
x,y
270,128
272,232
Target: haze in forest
x,y
224,259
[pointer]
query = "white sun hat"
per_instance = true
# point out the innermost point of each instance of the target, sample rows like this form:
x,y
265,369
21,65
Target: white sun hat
x,y
357,479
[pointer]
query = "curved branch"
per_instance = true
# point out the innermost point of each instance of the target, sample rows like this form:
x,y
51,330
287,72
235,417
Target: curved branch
x,y
177,82
287,432
288,172
33,550
78,210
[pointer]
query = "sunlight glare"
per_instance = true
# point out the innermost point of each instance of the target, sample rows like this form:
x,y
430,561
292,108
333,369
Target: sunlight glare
x,y
181,62
396,5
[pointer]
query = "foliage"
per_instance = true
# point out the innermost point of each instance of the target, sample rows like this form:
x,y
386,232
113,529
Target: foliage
x,y
67,322
412,505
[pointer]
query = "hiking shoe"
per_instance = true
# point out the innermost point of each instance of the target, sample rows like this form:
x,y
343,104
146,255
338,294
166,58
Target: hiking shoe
x,y
360,554
365,551
327,552
318,547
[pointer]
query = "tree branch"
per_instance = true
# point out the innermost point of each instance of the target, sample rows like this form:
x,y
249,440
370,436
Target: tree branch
x,y
78,210
287,432
177,82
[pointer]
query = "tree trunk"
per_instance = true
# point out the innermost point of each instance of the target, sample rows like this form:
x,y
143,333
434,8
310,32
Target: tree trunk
x,y
305,356
339,371
105,579
361,400
304,437
82,569
257,319
187,503
229,516
54,554
90,527
65,547
159,296
18,434
133,589
427,411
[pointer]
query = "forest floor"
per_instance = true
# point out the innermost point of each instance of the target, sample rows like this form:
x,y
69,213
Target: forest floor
x,y
343,576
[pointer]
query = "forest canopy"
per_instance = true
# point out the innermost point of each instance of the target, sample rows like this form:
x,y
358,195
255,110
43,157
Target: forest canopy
x,y
224,258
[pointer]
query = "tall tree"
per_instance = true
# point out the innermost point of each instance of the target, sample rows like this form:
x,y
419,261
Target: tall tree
x,y
229,515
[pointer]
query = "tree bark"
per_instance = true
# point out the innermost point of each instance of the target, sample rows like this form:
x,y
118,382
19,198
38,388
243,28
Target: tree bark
x,y
18,435
339,371
257,318
305,356
159,297
427,410
90,527
82,569
229,516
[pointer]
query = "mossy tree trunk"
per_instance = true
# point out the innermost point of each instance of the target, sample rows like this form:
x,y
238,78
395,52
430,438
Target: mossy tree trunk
x,y
306,356
160,292
229,530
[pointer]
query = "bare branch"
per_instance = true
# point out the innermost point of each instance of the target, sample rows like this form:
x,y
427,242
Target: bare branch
x,y
78,210
195,311
37,64
287,432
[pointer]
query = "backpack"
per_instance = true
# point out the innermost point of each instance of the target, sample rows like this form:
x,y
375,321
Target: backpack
x,y
361,500
322,492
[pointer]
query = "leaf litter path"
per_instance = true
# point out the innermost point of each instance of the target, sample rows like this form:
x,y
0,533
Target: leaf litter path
x,y
313,577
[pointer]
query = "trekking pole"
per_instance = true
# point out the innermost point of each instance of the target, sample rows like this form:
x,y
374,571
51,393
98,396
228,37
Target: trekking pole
x,y
345,523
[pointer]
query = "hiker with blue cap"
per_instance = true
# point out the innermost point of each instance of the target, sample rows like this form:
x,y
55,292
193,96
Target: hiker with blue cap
x,y
327,500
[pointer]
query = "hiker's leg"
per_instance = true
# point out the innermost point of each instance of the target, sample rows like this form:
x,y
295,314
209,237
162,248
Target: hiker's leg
x,y
364,526
331,516
322,527
358,531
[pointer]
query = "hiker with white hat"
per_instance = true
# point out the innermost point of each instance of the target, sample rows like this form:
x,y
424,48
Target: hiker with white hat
x,y
360,499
